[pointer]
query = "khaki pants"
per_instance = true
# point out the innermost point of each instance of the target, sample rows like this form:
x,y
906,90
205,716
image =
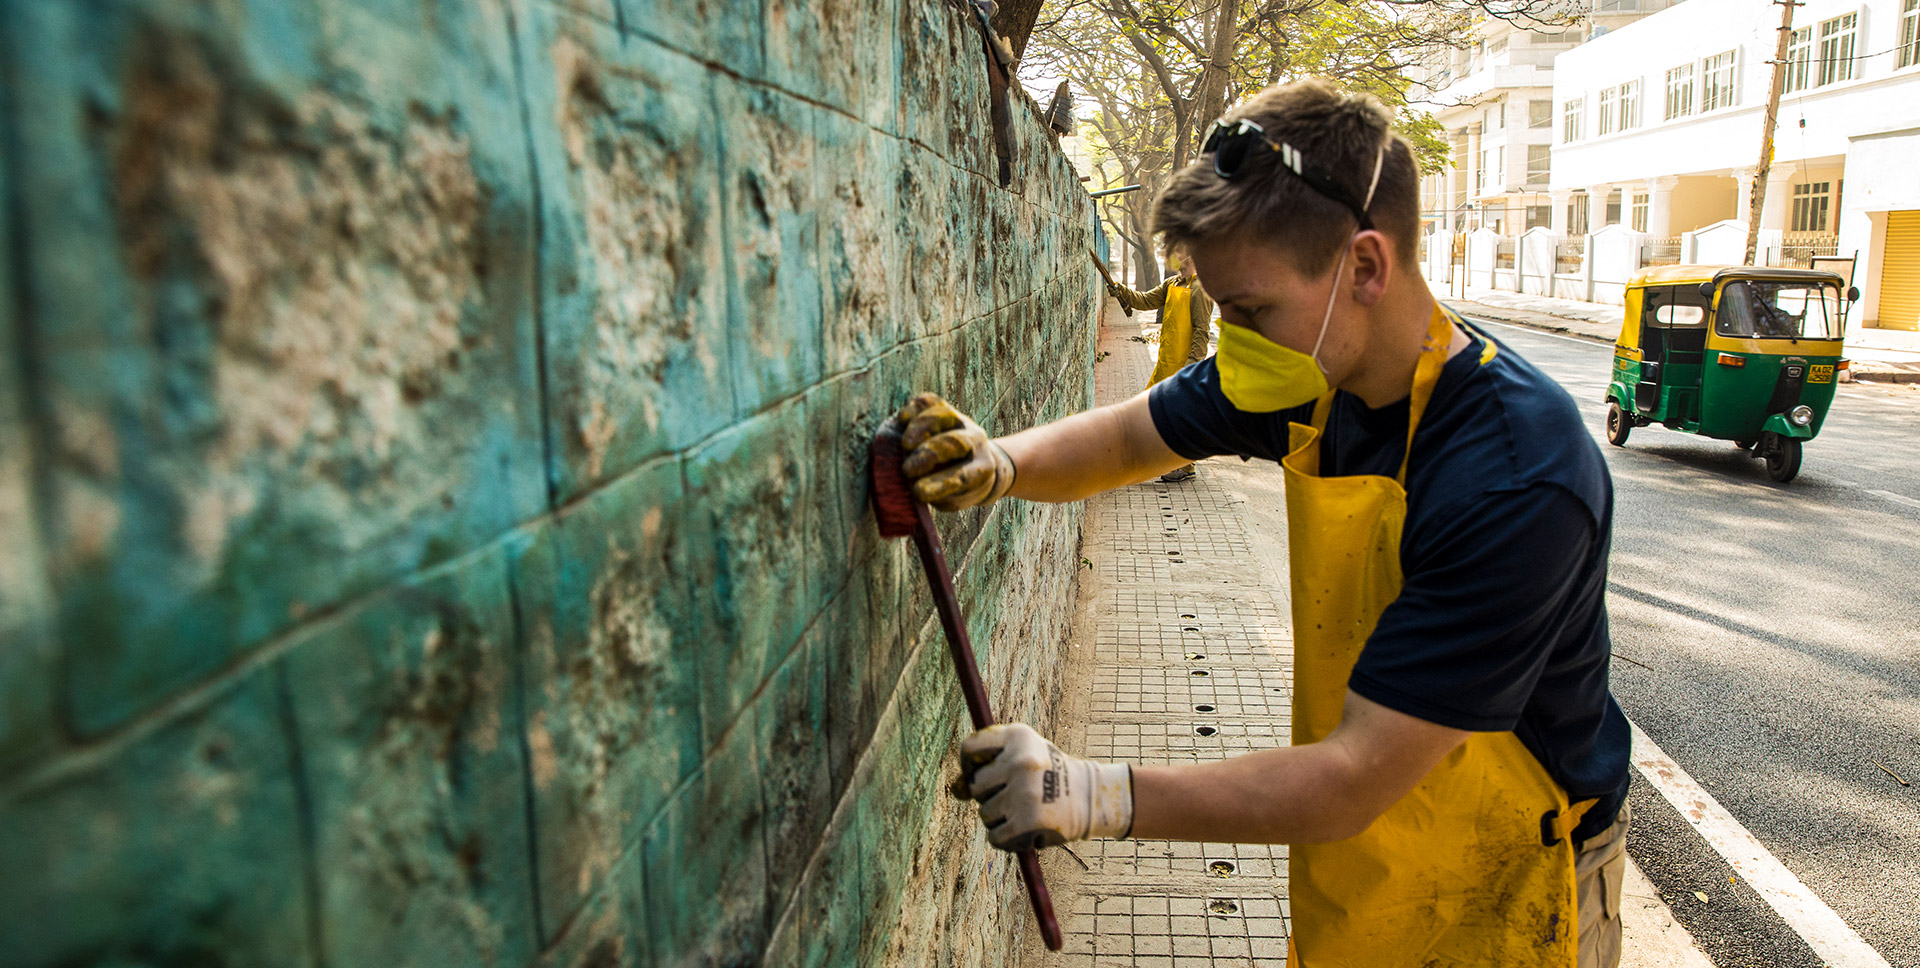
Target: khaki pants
x,y
1598,870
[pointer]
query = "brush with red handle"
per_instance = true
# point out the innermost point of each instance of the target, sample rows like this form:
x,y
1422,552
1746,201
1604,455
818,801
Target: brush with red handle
x,y
900,514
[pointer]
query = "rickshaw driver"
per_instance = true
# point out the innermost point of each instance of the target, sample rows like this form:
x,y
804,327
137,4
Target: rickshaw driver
x,y
1459,768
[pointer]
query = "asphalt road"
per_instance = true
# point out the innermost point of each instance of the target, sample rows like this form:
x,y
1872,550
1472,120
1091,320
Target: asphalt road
x,y
1772,643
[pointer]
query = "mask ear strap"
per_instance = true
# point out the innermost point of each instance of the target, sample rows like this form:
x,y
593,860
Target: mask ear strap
x,y
1327,317
1379,158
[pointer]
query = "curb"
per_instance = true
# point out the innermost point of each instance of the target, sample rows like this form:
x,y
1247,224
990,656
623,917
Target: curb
x,y
1885,376
1481,311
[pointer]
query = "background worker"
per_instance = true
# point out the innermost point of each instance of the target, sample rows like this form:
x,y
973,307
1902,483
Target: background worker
x,y
1456,786
1186,319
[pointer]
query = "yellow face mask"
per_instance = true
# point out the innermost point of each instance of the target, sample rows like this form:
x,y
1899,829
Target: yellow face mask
x,y
1259,375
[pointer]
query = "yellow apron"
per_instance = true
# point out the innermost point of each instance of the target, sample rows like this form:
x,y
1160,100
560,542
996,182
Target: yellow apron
x,y
1176,333
1474,867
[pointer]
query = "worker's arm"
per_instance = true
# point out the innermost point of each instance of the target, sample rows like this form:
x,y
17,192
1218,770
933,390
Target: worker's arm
x,y
1321,792
954,464
1154,298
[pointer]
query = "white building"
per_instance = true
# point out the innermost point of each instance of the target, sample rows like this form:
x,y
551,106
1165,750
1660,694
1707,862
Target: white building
x,y
1495,99
1658,128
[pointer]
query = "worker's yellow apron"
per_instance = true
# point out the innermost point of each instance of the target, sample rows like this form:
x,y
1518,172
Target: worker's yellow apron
x,y
1474,866
1176,333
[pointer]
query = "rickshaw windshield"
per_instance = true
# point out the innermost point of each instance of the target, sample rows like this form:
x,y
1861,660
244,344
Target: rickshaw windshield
x,y
1778,310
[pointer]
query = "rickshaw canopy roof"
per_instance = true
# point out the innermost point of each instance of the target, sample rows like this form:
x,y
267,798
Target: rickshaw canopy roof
x,y
1684,275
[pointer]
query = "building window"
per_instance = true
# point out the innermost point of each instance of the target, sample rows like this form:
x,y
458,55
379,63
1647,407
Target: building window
x,y
1629,105
1836,48
1491,174
1716,82
1573,120
1680,91
1910,34
1603,122
1613,207
1539,216
1540,113
1810,206
1577,214
1799,60
1494,217
1640,202
1539,164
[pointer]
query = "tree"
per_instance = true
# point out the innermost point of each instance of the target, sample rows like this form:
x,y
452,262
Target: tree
x,y
1159,71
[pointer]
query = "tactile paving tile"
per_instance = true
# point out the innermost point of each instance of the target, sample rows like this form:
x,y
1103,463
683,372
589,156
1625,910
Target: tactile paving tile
x,y
1186,498
1177,644
1123,568
1137,929
1163,858
1182,742
1212,545
1203,610
1230,692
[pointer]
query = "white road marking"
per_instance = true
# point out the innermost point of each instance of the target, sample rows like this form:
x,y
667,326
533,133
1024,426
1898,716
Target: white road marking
x,y
1896,498
1809,917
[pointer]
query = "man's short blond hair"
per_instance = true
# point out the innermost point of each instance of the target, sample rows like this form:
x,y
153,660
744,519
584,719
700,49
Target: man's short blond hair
x,y
1337,132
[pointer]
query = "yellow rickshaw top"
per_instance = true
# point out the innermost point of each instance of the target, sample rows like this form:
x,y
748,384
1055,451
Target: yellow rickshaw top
x,y
1682,275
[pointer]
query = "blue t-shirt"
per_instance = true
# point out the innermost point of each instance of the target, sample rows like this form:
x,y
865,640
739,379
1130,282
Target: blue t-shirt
x,y
1501,623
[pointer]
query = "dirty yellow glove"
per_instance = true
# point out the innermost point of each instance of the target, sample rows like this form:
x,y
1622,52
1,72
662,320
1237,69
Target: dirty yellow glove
x,y
952,463
1032,795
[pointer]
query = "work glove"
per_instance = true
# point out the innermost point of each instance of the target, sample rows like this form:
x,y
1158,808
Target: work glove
x,y
1032,795
952,463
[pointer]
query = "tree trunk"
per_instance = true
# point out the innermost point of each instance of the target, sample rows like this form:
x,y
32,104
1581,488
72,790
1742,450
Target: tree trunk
x,y
1146,266
1014,21
1211,100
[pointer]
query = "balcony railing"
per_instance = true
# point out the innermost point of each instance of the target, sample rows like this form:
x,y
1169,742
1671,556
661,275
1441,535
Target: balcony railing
x,y
1660,252
1568,254
1798,249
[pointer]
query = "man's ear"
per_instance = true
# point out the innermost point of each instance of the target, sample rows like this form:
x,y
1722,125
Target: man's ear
x,y
1373,266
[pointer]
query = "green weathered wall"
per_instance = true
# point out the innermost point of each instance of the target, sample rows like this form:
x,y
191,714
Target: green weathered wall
x,y
432,501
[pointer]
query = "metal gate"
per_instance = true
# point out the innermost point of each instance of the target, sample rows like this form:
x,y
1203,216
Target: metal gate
x,y
1900,273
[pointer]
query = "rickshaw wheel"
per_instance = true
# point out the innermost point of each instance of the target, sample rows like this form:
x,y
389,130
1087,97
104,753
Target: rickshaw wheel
x,y
1618,426
1783,458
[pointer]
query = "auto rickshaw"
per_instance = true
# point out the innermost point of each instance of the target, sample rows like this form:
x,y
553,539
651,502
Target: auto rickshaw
x,y
1741,353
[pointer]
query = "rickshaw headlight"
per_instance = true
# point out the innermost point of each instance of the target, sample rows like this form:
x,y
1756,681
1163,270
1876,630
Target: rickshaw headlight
x,y
1800,416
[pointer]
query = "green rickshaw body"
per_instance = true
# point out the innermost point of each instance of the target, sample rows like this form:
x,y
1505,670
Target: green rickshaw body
x,y
1727,352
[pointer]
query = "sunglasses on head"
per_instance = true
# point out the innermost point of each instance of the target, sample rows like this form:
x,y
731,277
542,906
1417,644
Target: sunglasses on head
x,y
1231,143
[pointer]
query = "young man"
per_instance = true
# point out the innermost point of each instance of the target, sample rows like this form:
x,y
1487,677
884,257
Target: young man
x,y
1186,316
1457,782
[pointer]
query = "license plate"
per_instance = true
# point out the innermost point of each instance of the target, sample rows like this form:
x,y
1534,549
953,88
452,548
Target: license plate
x,y
1820,373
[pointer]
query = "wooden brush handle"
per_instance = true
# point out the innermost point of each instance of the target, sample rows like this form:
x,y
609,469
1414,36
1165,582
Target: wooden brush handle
x,y
934,560
967,668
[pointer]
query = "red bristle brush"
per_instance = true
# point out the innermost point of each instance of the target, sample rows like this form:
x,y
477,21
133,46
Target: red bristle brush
x,y
899,514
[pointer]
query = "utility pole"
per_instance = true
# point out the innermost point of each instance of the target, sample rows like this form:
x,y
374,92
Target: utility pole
x,y
1758,198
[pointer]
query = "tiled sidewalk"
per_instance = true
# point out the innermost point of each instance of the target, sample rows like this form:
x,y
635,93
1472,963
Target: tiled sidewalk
x,y
1192,663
